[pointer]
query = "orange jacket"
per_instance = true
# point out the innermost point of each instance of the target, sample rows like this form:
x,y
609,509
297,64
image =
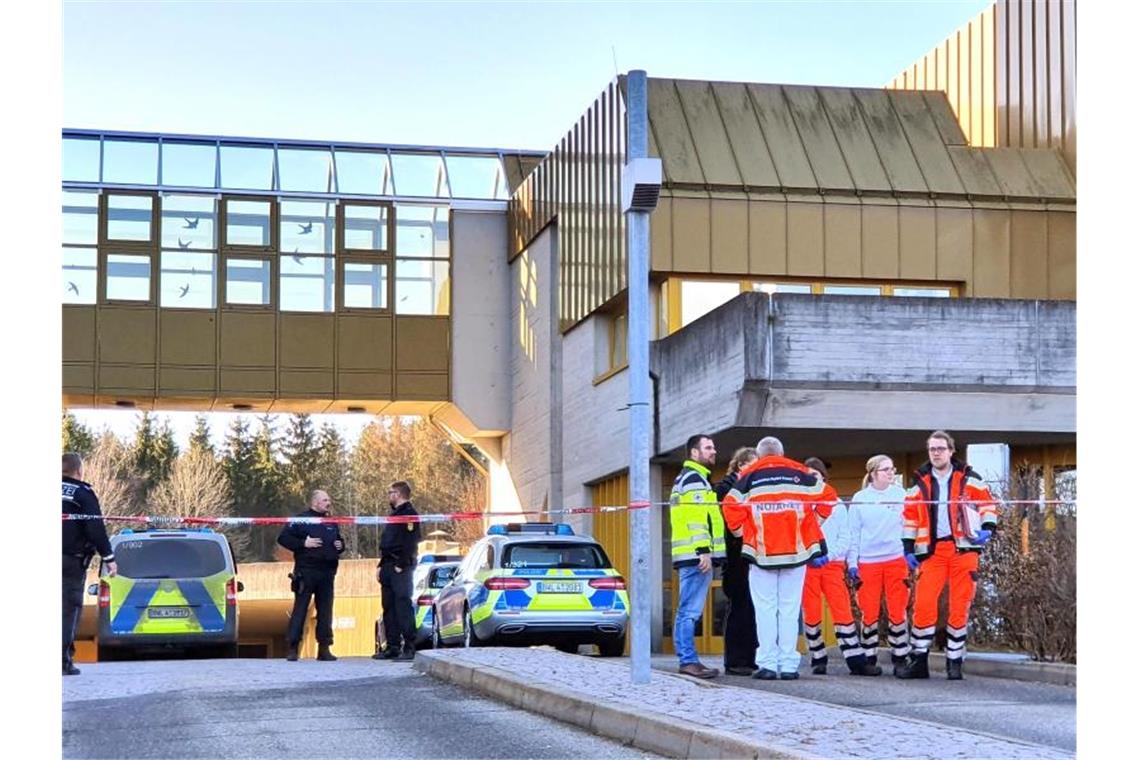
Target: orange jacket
x,y
920,515
771,507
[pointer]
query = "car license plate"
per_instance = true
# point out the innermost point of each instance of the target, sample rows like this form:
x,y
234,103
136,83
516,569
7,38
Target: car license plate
x,y
559,587
168,612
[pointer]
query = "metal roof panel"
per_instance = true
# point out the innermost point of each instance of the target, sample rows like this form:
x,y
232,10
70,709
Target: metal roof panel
x,y
1012,173
673,139
818,138
748,144
926,142
780,134
854,140
974,171
944,119
1049,170
890,141
709,136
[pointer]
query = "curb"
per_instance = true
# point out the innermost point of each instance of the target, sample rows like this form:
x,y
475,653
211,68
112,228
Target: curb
x,y
651,731
1056,673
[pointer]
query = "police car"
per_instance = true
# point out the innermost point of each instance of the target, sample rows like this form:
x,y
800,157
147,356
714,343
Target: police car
x,y
433,572
174,589
534,583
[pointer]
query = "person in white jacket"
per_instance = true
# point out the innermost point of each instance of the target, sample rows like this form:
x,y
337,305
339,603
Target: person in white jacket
x,y
875,560
829,582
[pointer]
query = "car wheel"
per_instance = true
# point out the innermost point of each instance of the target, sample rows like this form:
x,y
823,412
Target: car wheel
x,y
470,638
436,635
612,647
108,654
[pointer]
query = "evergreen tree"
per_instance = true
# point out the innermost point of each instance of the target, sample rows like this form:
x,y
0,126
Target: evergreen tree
x,y
200,438
333,474
238,464
143,447
300,449
165,452
270,485
77,437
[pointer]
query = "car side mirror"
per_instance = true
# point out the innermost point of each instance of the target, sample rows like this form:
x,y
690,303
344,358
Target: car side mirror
x,y
240,586
93,589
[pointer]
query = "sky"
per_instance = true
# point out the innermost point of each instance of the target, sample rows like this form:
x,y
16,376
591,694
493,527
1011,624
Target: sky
x,y
504,75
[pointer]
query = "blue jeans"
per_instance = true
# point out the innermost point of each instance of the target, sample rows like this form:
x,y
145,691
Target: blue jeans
x,y
694,587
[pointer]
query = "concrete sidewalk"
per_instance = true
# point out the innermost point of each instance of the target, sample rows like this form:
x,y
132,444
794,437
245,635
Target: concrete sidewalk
x,y
681,717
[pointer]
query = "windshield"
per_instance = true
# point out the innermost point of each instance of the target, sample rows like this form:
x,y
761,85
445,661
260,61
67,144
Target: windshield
x,y
441,576
169,558
555,555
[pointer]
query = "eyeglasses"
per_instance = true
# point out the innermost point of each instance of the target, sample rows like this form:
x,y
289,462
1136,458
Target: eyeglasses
x,y
886,469
938,449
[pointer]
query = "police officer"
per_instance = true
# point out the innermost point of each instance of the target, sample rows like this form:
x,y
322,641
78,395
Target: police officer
x,y
81,539
316,553
399,546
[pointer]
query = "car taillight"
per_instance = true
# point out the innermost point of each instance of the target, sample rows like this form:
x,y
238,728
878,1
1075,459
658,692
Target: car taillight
x,y
507,583
611,582
104,594
423,600
231,592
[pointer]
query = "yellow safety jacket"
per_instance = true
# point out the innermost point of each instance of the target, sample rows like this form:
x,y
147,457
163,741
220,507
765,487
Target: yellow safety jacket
x,y
694,516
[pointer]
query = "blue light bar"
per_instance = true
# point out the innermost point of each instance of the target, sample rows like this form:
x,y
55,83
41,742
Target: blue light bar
x,y
497,530
563,529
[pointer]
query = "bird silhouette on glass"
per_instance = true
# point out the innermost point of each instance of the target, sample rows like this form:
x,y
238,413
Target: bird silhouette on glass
x,y
73,288
306,228
184,245
298,259
184,290
191,224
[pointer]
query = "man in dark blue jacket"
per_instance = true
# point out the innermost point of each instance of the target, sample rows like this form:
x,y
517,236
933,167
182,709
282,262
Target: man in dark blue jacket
x,y
316,551
81,539
399,547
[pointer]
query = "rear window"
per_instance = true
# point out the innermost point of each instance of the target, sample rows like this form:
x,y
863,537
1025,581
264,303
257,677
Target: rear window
x,y
555,555
169,558
440,576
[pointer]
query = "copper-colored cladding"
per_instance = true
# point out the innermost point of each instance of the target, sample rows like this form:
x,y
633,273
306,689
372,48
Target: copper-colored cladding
x,y
1010,75
579,183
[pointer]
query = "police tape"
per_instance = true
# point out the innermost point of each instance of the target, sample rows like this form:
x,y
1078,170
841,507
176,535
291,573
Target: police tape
x,y
376,520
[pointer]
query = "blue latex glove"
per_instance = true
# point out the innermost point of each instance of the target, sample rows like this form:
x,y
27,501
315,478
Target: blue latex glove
x,y
984,535
853,574
818,562
911,561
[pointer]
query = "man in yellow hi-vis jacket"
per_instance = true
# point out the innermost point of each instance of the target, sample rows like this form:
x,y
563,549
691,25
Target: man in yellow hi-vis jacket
x,y
698,544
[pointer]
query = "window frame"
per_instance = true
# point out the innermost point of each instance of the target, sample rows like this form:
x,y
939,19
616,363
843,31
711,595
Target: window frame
x,y
108,247
239,252
367,256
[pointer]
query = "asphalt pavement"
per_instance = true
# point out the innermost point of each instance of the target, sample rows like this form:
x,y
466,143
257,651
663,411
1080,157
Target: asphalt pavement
x,y
355,707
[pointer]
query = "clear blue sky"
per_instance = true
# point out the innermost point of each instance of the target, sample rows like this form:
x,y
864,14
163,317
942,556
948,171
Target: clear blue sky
x,y
478,74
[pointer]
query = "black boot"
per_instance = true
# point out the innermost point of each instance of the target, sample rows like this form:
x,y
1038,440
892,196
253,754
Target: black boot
x,y
914,667
819,667
69,669
953,670
325,654
855,663
291,655
899,662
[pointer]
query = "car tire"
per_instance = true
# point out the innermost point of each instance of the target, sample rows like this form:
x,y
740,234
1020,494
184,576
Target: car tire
x,y
108,654
470,638
436,635
612,647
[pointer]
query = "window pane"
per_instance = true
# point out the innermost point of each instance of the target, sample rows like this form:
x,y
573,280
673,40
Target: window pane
x,y
366,228
419,175
365,286
128,217
128,277
188,222
922,292
130,162
247,281
307,283
247,223
422,287
189,164
619,340
782,287
80,217
187,280
247,167
699,298
852,290
79,270
308,227
80,159
359,173
473,176
305,170
421,231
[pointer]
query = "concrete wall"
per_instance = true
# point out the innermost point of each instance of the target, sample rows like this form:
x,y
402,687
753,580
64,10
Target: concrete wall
x,y
531,450
480,326
869,363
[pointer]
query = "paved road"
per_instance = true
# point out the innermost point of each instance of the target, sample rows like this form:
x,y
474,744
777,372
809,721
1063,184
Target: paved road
x,y
273,709
1031,712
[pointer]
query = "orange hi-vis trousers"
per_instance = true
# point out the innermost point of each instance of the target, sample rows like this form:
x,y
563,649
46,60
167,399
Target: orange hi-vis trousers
x,y
961,570
884,579
829,582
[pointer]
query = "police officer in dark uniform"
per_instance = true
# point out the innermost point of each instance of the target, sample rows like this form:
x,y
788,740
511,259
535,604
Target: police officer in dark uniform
x,y
399,547
316,553
81,540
